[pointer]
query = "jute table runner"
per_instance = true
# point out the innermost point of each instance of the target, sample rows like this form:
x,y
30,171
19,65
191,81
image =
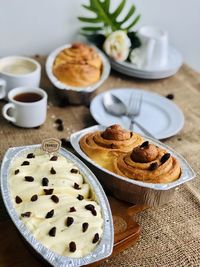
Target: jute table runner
x,y
171,234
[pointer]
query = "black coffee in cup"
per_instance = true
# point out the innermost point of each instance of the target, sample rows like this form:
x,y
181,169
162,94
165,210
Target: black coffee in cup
x,y
27,97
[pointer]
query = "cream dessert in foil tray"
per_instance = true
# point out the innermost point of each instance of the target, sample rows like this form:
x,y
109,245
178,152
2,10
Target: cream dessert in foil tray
x,y
56,204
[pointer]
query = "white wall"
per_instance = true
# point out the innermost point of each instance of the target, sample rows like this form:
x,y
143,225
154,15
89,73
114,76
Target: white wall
x,y
38,26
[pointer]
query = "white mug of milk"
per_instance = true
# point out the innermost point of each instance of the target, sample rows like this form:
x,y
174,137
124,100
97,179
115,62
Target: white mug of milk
x,y
154,48
16,71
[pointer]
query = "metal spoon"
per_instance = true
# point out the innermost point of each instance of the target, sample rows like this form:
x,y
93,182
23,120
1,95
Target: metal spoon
x,y
116,107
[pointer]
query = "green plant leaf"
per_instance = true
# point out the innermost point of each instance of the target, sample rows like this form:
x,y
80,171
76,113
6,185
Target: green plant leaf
x,y
108,20
133,23
130,13
90,20
118,10
88,8
135,41
97,39
105,17
106,5
92,28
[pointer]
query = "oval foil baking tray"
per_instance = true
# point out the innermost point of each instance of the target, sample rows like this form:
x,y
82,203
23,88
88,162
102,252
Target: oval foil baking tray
x,y
105,246
132,190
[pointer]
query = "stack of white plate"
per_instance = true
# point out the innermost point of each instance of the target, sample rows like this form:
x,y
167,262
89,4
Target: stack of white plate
x,y
174,63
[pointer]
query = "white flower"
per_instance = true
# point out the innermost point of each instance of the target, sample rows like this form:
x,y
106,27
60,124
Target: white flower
x,y
136,57
117,45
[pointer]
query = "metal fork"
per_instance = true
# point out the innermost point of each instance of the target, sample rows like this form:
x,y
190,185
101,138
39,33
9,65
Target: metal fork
x,y
134,108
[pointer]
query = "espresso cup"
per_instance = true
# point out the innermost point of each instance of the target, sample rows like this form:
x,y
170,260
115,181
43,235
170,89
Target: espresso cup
x,y
27,107
17,71
154,48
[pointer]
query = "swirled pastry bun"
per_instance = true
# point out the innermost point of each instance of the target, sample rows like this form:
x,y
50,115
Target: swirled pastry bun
x,y
79,65
148,163
79,53
77,74
104,146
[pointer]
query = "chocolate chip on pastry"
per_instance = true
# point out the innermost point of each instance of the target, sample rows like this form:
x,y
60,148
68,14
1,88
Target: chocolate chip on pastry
x,y
144,144
148,163
153,166
104,146
164,158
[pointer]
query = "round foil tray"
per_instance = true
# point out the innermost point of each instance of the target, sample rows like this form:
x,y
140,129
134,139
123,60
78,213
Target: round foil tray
x,y
130,190
105,246
76,95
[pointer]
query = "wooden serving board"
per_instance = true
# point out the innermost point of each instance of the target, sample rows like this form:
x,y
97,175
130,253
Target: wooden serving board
x,y
14,252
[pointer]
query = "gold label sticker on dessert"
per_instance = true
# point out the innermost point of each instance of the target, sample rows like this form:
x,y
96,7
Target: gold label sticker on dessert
x,y
51,145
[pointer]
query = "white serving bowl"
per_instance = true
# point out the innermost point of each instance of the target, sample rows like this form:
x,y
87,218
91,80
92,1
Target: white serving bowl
x,y
76,95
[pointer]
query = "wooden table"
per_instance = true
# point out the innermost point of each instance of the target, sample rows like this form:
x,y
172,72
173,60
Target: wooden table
x,y
170,235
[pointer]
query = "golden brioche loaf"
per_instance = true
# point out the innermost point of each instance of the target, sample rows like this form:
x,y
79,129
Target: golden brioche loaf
x,y
79,65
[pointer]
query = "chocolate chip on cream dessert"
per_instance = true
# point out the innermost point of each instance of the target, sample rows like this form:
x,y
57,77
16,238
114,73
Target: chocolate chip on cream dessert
x,y
53,200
